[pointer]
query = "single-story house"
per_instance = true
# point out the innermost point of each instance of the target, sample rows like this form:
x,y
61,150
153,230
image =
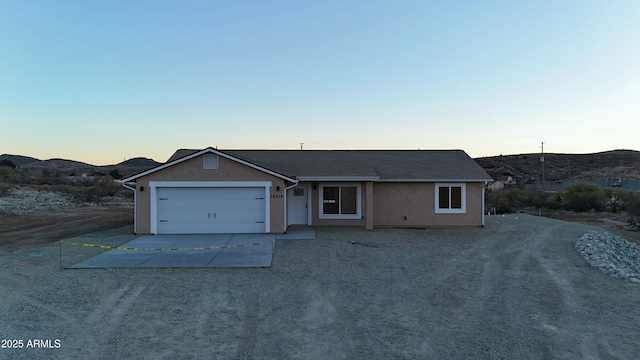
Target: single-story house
x,y
265,191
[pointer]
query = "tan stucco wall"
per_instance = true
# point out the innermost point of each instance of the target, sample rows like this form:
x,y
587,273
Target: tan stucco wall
x,y
393,201
192,170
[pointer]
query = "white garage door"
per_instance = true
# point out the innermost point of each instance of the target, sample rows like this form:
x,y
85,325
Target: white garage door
x,y
210,210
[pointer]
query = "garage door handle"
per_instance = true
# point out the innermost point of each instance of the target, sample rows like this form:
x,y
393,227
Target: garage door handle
x,y
259,222
209,215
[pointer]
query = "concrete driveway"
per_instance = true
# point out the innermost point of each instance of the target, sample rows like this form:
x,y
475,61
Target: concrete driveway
x,y
177,251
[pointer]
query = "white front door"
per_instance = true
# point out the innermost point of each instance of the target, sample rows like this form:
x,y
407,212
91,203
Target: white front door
x,y
297,205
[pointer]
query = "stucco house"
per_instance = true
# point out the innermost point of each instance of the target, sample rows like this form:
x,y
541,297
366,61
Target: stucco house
x,y
266,191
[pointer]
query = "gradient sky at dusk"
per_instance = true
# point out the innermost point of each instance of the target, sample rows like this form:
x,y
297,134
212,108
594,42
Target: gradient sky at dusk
x,y
104,81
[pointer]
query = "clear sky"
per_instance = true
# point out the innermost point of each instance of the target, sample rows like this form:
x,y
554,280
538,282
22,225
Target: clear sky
x,y
103,81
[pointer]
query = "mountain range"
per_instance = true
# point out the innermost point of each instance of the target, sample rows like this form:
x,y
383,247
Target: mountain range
x,y
608,164
67,167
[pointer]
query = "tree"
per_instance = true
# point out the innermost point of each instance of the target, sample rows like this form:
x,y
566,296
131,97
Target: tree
x,y
115,173
584,197
7,163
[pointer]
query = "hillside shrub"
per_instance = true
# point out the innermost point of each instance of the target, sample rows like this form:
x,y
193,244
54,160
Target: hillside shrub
x,y
632,206
616,199
583,197
507,201
7,163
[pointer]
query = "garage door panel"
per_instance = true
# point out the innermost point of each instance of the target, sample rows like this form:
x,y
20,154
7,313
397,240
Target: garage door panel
x,y
191,216
210,210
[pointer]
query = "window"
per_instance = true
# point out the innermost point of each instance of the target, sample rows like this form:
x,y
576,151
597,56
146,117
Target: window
x,y
451,198
339,201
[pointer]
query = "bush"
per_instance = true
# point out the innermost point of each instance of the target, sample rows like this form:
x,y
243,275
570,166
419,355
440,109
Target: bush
x,y
583,197
115,174
617,199
506,201
632,206
7,163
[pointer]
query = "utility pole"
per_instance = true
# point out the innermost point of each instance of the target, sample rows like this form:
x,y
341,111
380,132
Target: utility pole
x,y
542,161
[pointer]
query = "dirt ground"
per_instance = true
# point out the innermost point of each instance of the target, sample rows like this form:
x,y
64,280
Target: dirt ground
x,y
613,223
21,231
515,289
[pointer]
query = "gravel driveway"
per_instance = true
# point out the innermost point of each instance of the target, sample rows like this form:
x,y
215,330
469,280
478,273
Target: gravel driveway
x,y
515,289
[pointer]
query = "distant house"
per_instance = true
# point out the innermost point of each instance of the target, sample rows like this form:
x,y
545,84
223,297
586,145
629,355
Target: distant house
x,y
265,191
507,180
495,185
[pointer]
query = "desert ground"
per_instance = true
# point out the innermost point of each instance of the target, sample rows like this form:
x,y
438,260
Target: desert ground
x,y
515,289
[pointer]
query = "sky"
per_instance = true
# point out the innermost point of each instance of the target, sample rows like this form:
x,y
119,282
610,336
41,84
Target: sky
x,y
104,81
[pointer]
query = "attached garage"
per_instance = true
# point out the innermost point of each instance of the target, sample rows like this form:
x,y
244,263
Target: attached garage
x,y
209,207
264,191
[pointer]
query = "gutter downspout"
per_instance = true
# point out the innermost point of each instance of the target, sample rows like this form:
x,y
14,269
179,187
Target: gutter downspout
x,y
286,215
135,207
484,188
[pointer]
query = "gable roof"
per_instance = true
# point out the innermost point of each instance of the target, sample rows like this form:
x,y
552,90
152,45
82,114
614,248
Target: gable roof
x,y
365,165
190,154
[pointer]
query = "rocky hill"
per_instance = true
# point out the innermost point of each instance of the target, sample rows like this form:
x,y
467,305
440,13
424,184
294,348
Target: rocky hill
x,y
623,164
71,167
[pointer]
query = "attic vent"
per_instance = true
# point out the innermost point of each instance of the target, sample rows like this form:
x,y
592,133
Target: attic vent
x,y
210,161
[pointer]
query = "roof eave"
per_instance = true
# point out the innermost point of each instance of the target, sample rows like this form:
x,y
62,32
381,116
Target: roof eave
x,y
202,152
435,180
338,178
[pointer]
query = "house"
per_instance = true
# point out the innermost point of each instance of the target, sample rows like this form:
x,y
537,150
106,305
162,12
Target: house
x,y
495,185
507,180
265,191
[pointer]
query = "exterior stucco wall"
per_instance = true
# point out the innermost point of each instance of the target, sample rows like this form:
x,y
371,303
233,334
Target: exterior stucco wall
x,y
416,201
192,170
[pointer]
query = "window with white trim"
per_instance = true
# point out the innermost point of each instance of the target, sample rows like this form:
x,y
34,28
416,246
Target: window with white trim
x,y
451,198
339,201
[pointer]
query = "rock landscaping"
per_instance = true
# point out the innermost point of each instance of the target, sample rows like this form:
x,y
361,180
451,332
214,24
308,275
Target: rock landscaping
x,y
611,254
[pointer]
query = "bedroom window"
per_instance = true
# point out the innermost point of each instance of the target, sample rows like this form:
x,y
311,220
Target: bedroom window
x,y
339,201
451,198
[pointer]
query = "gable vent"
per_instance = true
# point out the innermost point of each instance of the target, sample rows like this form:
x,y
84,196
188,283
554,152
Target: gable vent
x,y
210,161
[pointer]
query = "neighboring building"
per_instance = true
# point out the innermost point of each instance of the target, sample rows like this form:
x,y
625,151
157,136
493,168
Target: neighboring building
x,y
495,185
507,180
265,191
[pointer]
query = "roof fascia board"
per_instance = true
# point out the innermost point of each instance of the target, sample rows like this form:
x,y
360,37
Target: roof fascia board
x,y
202,152
434,180
338,178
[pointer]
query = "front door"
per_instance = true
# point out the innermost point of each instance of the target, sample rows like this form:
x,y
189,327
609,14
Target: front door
x,y
297,202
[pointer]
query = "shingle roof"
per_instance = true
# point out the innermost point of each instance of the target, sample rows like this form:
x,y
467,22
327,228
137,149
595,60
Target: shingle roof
x,y
382,164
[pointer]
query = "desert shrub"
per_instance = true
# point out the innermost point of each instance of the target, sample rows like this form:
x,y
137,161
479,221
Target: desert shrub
x,y
632,206
555,201
7,163
506,201
49,177
115,174
14,176
584,197
616,199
